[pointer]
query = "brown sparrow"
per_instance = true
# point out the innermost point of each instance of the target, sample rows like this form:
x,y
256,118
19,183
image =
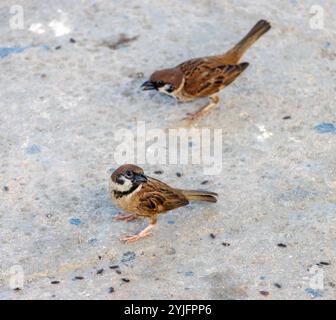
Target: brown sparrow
x,y
204,77
143,196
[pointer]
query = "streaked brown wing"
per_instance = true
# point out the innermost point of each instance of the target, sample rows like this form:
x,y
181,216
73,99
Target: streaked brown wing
x,y
157,197
205,77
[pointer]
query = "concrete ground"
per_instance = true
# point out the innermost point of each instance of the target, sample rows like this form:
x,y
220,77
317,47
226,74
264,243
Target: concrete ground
x,y
70,79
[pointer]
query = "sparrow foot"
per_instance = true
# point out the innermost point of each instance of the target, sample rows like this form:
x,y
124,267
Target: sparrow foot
x,y
125,217
214,100
143,234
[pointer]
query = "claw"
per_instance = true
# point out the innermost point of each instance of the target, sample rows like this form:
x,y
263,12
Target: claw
x,y
130,239
143,234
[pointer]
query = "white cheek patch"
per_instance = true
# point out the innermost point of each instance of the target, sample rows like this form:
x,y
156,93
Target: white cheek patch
x,y
121,187
165,89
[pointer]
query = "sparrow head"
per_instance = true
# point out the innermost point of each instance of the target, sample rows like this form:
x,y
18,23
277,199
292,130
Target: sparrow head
x,y
166,81
127,178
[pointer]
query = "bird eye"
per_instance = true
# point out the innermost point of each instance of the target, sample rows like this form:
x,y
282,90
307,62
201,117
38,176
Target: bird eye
x,y
160,83
129,174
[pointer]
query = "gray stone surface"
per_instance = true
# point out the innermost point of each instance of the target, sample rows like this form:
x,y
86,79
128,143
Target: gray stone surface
x,y
60,108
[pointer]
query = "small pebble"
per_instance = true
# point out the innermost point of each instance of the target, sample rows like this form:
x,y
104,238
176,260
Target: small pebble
x,y
125,279
75,221
100,257
212,236
325,128
205,182
33,149
43,75
226,244
111,290
72,40
327,44
55,282
92,240
179,174
281,245
331,284
313,293
100,271
264,293
170,251
128,256
277,285
158,172
58,47
287,118
5,188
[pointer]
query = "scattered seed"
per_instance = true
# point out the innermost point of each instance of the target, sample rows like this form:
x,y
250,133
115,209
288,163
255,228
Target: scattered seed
x,y
100,257
100,271
58,47
55,282
43,75
277,285
114,266
111,289
72,40
158,172
331,284
205,182
281,245
179,174
78,278
264,293
125,279
287,118
17,289
323,263
212,236
226,244
118,271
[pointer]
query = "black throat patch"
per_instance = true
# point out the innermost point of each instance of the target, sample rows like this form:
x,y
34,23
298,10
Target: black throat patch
x,y
120,194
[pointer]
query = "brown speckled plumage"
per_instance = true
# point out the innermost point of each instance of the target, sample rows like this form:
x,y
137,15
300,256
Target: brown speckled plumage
x,y
205,77
151,197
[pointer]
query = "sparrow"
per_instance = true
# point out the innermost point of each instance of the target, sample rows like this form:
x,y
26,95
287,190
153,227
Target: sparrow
x,y
205,77
143,196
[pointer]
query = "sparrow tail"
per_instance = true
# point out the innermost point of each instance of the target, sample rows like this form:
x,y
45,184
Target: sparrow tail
x,y
255,33
195,195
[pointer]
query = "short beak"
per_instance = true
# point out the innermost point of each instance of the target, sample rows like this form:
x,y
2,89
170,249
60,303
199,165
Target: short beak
x,y
140,178
148,86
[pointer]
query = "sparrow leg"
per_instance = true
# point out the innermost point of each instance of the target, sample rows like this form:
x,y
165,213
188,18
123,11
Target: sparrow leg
x,y
214,100
125,217
142,234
